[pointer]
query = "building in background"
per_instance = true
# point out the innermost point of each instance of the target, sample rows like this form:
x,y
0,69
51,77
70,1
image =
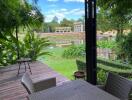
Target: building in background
x,y
79,27
62,29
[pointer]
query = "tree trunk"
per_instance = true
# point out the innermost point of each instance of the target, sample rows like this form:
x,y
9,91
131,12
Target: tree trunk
x,y
17,43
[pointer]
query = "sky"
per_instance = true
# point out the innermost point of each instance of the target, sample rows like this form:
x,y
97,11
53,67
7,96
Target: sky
x,y
70,9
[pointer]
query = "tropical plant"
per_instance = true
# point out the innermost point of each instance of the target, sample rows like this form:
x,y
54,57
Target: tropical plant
x,y
8,53
74,51
15,14
34,46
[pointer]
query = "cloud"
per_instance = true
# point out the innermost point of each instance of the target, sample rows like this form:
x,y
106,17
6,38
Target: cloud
x,y
63,13
74,1
52,5
52,0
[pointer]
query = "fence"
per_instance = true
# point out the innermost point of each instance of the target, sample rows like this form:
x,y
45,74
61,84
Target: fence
x,y
106,53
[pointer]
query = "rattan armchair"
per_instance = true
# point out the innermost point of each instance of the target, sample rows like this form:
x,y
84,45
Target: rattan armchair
x,y
31,87
117,86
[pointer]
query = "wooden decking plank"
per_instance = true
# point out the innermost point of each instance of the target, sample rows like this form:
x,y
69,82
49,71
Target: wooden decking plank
x,y
10,85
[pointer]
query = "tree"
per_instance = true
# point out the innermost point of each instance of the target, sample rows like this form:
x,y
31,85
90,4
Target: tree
x,y
55,19
126,47
103,21
82,19
67,23
118,12
52,25
15,14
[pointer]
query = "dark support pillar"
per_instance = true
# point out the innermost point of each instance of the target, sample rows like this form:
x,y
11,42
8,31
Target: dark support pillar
x,y
90,28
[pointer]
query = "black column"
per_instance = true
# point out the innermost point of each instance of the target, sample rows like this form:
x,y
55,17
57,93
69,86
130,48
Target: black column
x,y
90,31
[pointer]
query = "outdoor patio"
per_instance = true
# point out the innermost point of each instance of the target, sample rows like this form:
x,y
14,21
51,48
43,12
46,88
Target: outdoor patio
x,y
10,85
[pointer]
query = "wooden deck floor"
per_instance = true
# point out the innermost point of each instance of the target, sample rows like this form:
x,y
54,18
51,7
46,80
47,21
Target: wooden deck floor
x,y
10,86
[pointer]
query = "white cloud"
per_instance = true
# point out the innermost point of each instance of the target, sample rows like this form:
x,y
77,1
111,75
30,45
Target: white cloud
x,y
58,13
52,5
63,13
52,0
73,0
63,9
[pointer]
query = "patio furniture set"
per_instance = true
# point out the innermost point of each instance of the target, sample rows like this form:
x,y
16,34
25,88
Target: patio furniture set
x,y
116,88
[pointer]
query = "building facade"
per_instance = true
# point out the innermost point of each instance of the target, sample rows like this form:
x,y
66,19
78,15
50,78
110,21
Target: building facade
x,y
79,27
62,29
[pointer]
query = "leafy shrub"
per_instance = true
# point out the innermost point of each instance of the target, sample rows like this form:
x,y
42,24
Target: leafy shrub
x,y
81,65
101,76
8,53
31,46
106,44
34,46
126,47
113,64
103,69
74,51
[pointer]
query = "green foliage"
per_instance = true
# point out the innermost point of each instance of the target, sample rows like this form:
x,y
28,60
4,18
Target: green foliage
x,y
50,26
104,66
106,44
101,76
74,51
31,46
117,15
114,69
16,13
81,65
127,47
113,64
116,7
103,21
120,47
34,46
60,64
8,53
67,23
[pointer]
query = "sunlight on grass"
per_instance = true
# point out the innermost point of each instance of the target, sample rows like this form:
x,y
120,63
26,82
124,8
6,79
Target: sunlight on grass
x,y
62,65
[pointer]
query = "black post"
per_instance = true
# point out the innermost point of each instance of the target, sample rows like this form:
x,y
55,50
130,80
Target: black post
x,y
90,31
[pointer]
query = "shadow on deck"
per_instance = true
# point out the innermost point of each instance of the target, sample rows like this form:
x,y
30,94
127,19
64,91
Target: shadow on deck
x,y
10,85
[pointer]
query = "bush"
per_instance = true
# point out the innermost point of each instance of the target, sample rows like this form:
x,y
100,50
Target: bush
x,y
34,46
104,68
8,53
31,46
101,76
113,64
126,47
106,44
74,51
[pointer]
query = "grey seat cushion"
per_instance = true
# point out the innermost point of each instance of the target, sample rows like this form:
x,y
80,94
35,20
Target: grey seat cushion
x,y
118,86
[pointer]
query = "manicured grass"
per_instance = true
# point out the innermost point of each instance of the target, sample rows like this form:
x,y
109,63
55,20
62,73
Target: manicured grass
x,y
62,65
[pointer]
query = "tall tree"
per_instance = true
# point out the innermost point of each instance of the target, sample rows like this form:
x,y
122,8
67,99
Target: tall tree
x,y
15,14
119,11
67,23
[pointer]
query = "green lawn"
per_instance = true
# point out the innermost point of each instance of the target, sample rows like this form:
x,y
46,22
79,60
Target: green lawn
x,y
64,66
